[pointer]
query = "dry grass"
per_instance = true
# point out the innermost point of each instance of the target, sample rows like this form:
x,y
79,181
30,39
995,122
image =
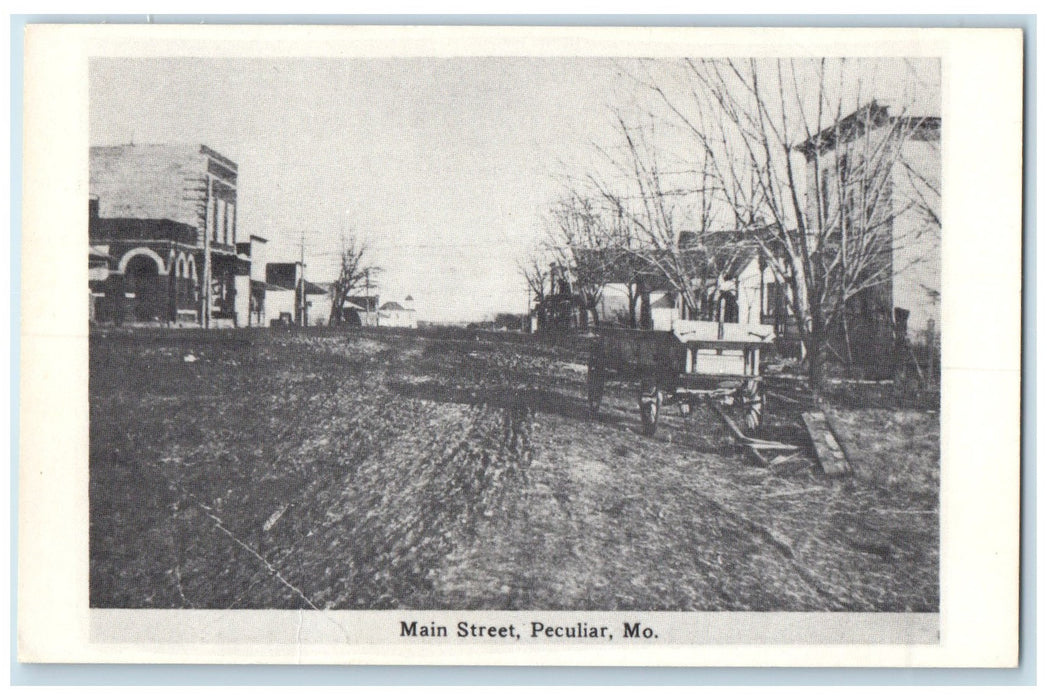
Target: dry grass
x,y
456,470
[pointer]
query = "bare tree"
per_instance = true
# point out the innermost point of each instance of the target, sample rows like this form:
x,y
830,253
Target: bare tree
x,y
676,241
536,274
353,273
765,128
583,240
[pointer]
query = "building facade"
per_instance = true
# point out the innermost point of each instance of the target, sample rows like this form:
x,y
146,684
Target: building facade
x,y
361,310
392,314
874,178
291,300
167,216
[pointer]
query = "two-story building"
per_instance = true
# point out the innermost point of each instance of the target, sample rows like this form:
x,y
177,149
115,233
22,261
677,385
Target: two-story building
x,y
166,215
876,174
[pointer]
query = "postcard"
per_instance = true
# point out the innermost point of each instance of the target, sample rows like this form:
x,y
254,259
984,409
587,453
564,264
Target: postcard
x,y
520,345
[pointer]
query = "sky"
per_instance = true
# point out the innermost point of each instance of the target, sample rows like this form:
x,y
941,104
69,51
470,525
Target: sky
x,y
446,166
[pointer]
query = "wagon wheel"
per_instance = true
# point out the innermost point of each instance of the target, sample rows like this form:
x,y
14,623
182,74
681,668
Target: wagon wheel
x,y
751,400
595,383
650,405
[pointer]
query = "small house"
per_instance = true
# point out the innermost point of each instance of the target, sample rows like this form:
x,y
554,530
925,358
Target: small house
x,y
317,304
366,308
394,315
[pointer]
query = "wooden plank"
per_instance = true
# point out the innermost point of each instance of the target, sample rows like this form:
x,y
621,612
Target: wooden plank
x,y
847,447
830,455
760,459
751,445
750,333
744,440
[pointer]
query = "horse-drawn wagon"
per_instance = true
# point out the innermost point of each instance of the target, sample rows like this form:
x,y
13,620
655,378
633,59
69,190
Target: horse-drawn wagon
x,y
695,361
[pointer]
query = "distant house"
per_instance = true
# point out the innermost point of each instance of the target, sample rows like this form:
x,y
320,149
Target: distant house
x,y
365,307
732,280
665,309
352,314
394,315
289,299
269,303
254,250
737,299
317,304
282,306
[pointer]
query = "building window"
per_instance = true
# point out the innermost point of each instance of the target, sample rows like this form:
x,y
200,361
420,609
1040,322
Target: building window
x,y
214,220
225,222
220,220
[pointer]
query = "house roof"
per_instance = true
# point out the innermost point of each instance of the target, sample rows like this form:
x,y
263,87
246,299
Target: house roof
x,y
867,117
392,306
217,156
367,303
664,302
266,286
698,255
311,288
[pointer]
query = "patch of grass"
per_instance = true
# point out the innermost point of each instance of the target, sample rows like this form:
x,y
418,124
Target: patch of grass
x,y
898,449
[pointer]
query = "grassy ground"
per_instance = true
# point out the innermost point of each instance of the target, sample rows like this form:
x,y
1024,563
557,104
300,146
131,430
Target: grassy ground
x,y
450,470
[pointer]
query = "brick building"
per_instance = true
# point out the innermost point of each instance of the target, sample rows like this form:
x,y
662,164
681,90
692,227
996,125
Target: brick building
x,y
167,216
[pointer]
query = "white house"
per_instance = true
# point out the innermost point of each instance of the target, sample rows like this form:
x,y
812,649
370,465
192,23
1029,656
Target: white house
x,y
394,315
279,305
317,304
744,293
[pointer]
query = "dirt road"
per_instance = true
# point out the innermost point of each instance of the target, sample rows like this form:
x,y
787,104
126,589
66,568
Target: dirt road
x,y
252,469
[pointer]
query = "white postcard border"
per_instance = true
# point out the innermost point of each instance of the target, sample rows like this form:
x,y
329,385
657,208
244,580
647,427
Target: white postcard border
x,y
982,178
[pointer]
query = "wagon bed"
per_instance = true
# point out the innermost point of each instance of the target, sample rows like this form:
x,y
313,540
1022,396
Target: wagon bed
x,y
695,361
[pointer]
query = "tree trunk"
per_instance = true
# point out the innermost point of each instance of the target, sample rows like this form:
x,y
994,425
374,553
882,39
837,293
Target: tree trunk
x,y
596,314
634,296
816,354
849,356
808,325
646,320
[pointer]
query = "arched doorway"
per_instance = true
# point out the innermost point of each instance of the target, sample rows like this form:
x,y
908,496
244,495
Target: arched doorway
x,y
143,290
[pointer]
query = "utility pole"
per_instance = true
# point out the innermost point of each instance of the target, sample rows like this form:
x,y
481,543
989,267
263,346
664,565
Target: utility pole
x,y
367,294
301,285
339,290
206,315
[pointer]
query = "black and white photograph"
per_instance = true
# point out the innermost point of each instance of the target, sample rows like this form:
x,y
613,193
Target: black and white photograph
x,y
495,334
